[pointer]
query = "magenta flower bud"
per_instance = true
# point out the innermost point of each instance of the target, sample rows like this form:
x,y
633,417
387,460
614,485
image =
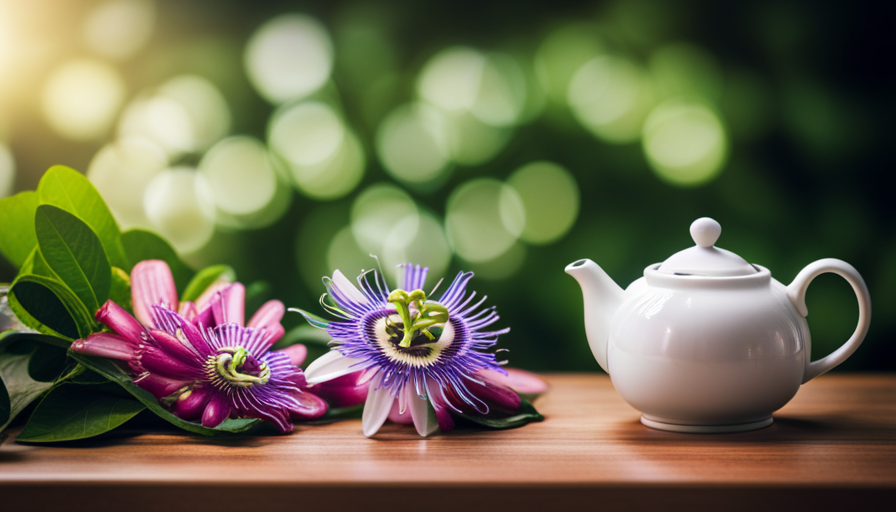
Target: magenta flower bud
x,y
159,362
306,406
178,348
152,285
159,386
344,391
521,381
105,344
268,315
216,411
229,308
276,332
120,321
496,397
191,403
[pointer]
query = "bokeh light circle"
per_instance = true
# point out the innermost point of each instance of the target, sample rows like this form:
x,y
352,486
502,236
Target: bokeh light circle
x,y
81,98
161,119
119,28
550,197
611,97
562,53
334,177
204,104
683,69
412,144
240,175
484,218
377,211
180,206
7,170
472,142
289,57
450,79
428,247
121,171
685,143
306,133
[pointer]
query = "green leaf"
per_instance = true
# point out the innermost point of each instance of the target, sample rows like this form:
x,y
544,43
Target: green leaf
x,y
5,406
17,238
72,412
120,291
48,363
115,374
37,265
15,355
75,254
526,414
143,245
72,191
312,319
205,278
307,334
47,306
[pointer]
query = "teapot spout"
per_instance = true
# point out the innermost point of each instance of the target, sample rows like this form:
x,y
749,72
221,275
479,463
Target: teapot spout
x,y
602,297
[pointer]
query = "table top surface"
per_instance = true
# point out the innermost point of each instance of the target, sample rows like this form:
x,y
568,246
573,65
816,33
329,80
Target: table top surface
x,y
839,430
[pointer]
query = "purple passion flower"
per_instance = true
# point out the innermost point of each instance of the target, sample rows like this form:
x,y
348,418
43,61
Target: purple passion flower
x,y
414,355
203,362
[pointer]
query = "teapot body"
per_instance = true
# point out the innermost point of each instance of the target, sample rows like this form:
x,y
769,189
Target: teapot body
x,y
707,355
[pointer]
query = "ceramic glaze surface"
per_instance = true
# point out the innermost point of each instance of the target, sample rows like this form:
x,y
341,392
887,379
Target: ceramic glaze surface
x,y
706,342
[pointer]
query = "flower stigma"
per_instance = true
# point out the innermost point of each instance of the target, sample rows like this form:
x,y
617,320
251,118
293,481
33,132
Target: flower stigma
x,y
237,367
416,314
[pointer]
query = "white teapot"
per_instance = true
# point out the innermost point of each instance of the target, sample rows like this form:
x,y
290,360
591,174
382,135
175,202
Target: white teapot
x,y
706,342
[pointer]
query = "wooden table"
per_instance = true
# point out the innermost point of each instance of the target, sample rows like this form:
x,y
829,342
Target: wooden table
x,y
832,447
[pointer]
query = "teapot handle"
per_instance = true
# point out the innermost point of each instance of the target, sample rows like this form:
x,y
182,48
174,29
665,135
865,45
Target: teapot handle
x,y
796,291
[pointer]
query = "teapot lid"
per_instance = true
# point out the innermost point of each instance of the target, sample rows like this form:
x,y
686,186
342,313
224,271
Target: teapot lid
x,y
705,259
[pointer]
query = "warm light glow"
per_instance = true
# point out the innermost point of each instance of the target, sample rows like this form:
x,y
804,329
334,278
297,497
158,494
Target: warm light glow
x,y
180,205
306,133
550,197
81,98
289,57
472,142
119,28
428,246
484,218
7,171
161,119
412,144
685,143
121,171
334,177
611,96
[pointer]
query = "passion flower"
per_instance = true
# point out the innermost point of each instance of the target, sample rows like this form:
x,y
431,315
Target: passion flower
x,y
428,357
204,363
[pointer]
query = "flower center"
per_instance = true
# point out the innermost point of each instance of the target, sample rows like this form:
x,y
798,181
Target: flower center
x,y
417,315
237,367
421,352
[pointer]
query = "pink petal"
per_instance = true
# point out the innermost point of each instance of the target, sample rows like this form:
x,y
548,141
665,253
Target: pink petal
x,y
120,321
105,344
307,406
191,404
296,353
159,362
443,415
179,349
159,386
188,311
230,307
210,294
152,284
345,391
521,381
217,410
276,331
499,398
267,315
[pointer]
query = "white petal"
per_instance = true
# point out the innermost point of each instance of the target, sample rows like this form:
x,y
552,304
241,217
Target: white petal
x,y
329,366
376,408
422,414
348,289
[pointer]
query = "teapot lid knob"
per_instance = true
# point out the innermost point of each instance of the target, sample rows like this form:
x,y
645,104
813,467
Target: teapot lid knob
x,y
705,231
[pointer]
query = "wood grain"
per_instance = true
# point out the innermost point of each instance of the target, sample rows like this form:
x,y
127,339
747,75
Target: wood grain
x,y
833,446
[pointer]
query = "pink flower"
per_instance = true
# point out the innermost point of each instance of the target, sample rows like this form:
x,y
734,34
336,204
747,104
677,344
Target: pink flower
x,y
202,359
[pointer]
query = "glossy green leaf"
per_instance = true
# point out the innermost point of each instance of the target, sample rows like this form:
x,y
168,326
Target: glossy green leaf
x,y
17,238
143,245
526,414
48,363
115,374
21,388
307,334
120,291
74,252
72,412
49,307
5,406
37,265
70,190
205,278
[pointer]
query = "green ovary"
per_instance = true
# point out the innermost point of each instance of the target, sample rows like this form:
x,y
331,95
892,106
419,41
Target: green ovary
x,y
417,314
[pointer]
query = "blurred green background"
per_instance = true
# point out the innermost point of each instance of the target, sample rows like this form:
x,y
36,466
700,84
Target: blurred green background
x,y
288,139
